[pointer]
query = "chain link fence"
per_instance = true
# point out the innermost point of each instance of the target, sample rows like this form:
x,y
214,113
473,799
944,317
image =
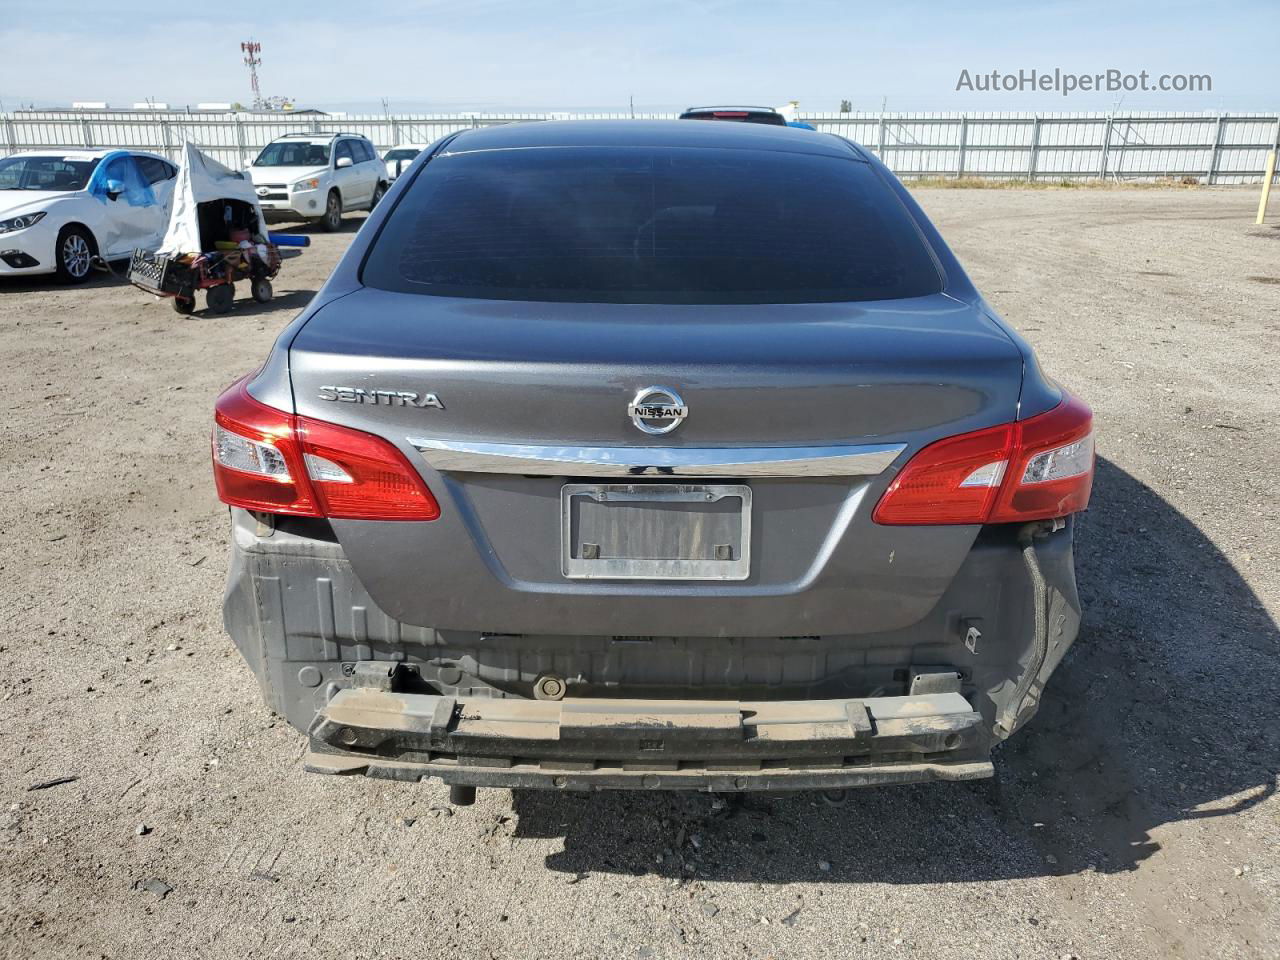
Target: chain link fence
x,y
1209,148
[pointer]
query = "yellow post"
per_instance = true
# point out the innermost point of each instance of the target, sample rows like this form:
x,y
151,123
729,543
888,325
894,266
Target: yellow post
x,y
1266,186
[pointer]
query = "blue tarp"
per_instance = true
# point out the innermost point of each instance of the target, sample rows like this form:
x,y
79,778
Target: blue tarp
x,y
122,168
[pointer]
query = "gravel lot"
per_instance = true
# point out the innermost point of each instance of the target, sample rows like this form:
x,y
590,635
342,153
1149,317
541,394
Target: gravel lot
x,y
1137,817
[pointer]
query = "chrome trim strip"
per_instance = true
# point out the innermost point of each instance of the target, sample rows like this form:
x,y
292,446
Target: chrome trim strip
x,y
468,456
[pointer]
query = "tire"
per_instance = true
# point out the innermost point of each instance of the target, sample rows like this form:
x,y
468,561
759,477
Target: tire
x,y
74,251
184,305
261,290
378,193
331,222
220,297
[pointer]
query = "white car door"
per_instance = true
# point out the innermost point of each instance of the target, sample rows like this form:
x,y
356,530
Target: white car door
x,y
347,175
372,168
162,176
127,222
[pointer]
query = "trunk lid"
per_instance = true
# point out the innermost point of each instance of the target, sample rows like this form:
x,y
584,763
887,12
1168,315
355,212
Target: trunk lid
x,y
420,370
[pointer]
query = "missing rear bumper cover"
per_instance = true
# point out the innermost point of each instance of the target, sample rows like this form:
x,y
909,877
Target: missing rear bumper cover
x,y
650,744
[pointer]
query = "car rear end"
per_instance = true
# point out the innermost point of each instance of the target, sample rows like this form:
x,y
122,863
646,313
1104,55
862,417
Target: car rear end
x,y
765,115
663,457
398,158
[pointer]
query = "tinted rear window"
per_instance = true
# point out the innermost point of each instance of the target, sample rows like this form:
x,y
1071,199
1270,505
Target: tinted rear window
x,y
646,225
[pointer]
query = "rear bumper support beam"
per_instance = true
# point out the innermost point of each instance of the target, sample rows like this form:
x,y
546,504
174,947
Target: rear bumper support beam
x,y
588,744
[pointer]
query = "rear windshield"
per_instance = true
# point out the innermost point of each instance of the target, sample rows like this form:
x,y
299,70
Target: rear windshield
x,y
646,225
401,153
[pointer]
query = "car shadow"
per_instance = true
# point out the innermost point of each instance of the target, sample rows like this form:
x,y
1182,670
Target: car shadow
x,y
244,306
352,221
1165,710
48,282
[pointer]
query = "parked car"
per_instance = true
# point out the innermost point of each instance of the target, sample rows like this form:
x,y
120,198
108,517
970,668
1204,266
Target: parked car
x,y
398,158
61,209
668,456
315,177
766,115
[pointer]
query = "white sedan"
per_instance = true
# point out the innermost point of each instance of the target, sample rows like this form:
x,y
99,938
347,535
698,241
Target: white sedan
x,y
59,210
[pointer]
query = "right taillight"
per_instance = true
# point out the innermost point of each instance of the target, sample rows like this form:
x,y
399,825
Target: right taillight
x,y
274,462
1035,469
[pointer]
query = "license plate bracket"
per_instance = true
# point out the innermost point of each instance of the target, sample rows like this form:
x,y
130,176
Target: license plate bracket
x,y
655,531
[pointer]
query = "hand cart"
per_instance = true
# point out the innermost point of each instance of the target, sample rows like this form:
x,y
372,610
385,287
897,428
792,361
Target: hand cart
x,y
215,272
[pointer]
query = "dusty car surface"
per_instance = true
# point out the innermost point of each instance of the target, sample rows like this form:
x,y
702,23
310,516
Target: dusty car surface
x,y
651,455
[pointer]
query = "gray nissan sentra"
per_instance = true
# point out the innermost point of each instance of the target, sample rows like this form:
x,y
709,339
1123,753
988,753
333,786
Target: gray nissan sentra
x,y
657,455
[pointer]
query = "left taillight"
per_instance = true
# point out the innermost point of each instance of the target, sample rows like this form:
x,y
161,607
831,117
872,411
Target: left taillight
x,y
1034,469
275,462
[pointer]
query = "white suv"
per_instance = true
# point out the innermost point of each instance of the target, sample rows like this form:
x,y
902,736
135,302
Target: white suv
x,y
316,177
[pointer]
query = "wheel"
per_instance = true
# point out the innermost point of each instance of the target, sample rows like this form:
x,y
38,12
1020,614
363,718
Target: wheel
x,y
261,290
75,253
331,222
183,305
220,297
378,193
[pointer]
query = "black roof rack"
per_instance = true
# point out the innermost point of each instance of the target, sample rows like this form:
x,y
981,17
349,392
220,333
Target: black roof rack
x,y
322,135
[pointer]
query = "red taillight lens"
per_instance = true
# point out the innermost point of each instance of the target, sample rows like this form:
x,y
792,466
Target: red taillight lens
x,y
1036,469
358,476
268,460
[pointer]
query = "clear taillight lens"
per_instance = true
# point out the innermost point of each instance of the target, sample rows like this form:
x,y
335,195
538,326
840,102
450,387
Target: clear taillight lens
x,y
249,456
1071,460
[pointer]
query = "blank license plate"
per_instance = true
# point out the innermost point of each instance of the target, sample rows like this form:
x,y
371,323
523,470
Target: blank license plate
x,y
656,531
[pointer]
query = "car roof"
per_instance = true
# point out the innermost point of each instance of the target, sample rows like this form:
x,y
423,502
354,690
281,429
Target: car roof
x,y
649,133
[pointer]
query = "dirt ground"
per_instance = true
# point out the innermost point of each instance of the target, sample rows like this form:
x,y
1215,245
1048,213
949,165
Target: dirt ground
x,y
1137,816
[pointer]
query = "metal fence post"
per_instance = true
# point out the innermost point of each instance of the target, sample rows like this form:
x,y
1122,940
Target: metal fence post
x,y
1106,148
880,143
239,141
1215,152
85,135
10,138
964,139
1034,160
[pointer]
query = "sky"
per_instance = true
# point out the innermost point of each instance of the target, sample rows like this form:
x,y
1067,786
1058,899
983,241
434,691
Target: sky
x,y
542,55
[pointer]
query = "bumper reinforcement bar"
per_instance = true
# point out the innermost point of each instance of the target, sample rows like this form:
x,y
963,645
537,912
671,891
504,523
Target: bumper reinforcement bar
x,y
591,744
